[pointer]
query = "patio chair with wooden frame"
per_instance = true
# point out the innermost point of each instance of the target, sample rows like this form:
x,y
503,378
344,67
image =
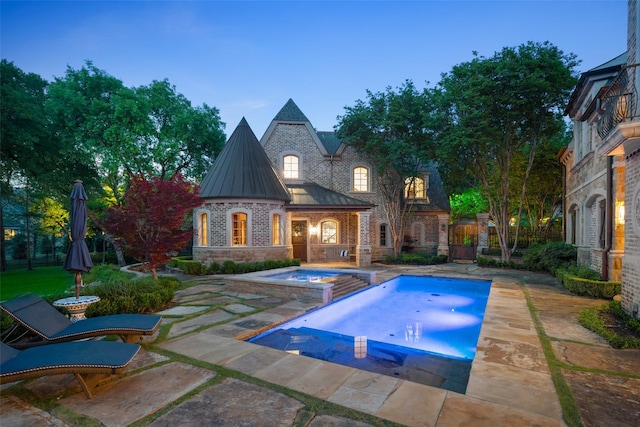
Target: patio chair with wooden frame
x,y
91,362
48,325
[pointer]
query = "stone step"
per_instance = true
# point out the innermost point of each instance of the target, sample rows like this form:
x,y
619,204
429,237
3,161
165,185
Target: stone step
x,y
346,285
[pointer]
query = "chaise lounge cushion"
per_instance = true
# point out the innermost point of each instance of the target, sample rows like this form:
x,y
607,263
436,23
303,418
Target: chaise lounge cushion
x,y
89,361
38,316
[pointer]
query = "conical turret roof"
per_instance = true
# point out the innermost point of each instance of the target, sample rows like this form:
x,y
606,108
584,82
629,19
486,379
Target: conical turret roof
x,y
243,170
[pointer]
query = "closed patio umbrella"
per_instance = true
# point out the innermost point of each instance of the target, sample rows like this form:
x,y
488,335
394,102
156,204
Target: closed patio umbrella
x,y
78,259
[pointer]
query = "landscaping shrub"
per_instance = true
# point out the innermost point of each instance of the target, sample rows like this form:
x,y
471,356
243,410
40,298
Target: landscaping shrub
x,y
496,263
616,309
173,262
591,288
590,318
105,274
190,267
549,256
229,267
416,259
144,295
213,268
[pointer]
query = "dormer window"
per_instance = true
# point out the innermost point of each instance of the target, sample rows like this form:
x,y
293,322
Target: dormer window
x,y
414,188
291,167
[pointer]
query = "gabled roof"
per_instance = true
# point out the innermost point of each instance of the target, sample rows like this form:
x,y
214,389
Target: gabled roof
x,y
243,170
327,142
606,71
311,196
330,141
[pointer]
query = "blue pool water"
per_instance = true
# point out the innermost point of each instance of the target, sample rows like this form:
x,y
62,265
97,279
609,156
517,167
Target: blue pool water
x,y
305,275
424,329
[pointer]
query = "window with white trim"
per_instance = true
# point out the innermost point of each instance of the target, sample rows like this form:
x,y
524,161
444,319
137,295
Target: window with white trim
x,y
329,232
275,230
414,188
360,178
203,229
291,166
239,229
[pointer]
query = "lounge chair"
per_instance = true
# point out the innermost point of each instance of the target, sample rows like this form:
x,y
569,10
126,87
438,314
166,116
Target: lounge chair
x,y
91,362
51,326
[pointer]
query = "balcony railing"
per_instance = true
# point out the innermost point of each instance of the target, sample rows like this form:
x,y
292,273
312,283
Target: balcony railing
x,y
619,101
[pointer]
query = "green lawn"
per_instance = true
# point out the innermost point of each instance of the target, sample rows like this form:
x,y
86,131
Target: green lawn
x,y
41,280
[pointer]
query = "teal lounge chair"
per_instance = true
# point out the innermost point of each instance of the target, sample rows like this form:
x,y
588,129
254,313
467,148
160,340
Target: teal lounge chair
x,y
50,326
91,362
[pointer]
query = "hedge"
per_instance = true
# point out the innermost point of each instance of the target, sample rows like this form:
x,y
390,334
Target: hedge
x,y
195,268
590,288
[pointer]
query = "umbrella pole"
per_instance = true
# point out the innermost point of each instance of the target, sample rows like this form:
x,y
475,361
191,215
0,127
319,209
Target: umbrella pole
x,y
78,284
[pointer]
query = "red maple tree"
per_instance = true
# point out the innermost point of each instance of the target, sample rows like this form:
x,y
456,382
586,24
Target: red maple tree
x,y
151,223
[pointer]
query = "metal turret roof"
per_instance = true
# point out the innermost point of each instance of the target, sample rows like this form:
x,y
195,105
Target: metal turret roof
x,y
243,170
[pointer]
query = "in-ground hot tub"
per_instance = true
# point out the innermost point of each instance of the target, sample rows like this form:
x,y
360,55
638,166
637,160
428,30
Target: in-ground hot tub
x,y
295,282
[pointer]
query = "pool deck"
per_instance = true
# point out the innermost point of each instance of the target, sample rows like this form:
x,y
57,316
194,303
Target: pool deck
x,y
174,382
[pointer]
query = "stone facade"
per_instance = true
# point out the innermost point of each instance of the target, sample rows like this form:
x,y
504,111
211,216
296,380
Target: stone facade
x,y
322,160
602,202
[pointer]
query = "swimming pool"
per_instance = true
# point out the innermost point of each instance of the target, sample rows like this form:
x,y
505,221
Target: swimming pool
x,y
424,329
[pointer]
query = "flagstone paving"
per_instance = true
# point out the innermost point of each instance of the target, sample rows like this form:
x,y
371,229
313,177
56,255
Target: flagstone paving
x,y
177,380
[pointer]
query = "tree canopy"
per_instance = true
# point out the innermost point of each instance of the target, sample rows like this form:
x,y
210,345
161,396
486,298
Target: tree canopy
x,y
152,130
395,130
496,112
87,125
151,223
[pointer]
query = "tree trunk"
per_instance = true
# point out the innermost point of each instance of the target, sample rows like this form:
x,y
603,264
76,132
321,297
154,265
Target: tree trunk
x,y
109,238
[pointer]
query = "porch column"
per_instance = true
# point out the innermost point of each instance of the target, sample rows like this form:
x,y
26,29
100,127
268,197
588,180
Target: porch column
x,y
443,234
483,233
363,248
288,233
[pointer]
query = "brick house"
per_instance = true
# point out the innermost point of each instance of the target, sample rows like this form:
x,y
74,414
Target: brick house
x,y
300,193
602,169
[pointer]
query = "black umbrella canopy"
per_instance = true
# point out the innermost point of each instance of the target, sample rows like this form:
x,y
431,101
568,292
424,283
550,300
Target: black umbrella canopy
x,y
78,259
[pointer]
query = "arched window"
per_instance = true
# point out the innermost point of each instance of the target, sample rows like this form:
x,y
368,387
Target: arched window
x,y
276,239
414,188
329,232
239,229
291,166
203,229
360,178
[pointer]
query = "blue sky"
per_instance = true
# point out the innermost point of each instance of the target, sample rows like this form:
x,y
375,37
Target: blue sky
x,y
247,58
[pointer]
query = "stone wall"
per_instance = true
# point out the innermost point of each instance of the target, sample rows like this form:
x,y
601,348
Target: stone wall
x,y
631,259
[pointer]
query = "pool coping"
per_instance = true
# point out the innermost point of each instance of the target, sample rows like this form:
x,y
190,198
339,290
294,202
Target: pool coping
x,y
509,376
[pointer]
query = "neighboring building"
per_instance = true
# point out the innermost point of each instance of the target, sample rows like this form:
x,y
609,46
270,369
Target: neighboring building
x,y
602,169
299,193
593,181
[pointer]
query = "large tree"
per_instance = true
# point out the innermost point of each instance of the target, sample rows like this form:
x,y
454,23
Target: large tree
x,y
152,131
149,131
151,223
32,156
495,114
395,130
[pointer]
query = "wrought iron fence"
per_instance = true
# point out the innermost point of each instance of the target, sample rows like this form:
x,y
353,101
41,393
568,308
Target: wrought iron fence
x,y
526,237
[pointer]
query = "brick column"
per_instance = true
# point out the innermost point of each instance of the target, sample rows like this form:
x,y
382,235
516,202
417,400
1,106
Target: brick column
x,y
363,248
483,232
443,234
